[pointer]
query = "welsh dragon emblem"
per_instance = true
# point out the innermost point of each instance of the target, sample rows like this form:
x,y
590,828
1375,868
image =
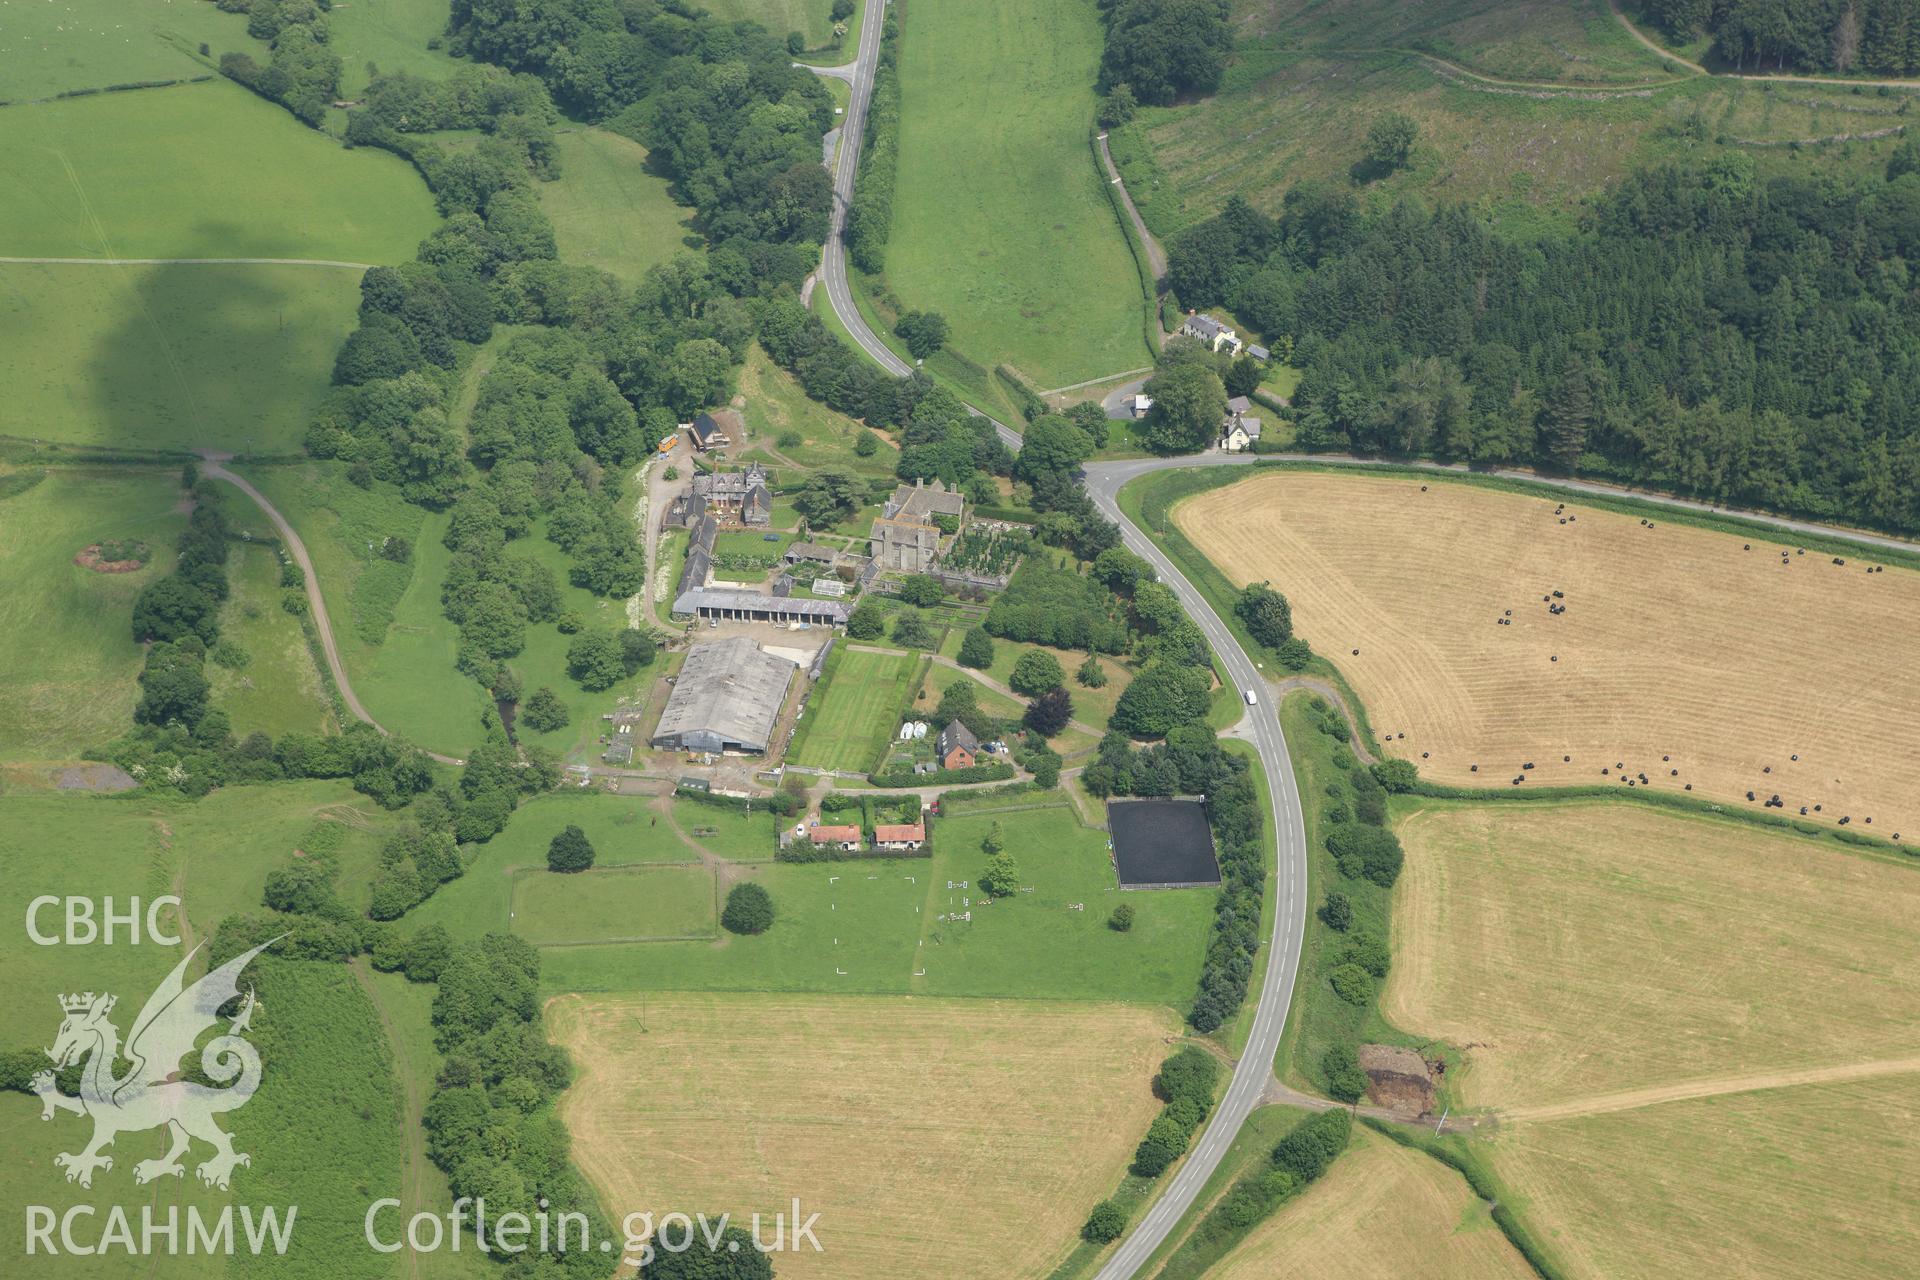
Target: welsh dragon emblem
x,y
151,1093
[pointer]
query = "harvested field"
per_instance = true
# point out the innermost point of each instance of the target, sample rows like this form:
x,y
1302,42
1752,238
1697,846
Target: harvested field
x,y
1680,654
1382,1210
1588,948
956,1138
1787,1183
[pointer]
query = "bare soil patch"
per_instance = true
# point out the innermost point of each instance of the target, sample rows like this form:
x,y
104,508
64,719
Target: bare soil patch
x,y
93,557
1397,1078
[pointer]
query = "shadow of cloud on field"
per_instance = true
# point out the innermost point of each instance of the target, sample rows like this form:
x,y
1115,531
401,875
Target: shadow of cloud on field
x,y
189,355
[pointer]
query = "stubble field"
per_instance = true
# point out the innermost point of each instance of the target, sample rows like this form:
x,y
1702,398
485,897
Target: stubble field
x,y
1698,1037
953,1138
1592,949
1680,655
1810,1181
1382,1210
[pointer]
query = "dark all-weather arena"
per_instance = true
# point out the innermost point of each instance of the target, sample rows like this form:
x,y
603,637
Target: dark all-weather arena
x,y
1161,844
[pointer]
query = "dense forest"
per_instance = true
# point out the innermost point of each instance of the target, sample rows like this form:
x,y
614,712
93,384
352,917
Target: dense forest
x,y
1159,50
1753,342
1881,36
722,110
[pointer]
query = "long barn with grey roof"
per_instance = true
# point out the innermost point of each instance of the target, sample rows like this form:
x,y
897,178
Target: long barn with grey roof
x,y
727,697
755,606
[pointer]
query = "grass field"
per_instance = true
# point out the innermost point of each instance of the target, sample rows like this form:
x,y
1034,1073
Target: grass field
x,y
777,406
56,46
1051,939
390,34
108,177
322,1133
1318,1018
1000,221
811,18
614,904
941,678
343,527
68,679
1584,103
1090,706
187,354
626,831
405,1010
279,688
608,211
397,644
169,357
959,1138
1382,1210
409,682
1660,666
835,930
868,926
1575,42
1781,1183
855,706
621,828
1585,950
215,854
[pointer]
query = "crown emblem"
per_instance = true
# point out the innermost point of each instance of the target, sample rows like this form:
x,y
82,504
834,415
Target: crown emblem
x,y
80,1003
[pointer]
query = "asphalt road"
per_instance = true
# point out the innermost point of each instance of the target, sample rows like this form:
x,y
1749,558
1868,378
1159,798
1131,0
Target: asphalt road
x,y
833,265
1254,1070
833,261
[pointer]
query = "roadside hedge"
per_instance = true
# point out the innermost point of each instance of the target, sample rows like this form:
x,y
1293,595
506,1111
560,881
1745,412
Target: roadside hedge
x,y
870,220
1186,1083
1305,1153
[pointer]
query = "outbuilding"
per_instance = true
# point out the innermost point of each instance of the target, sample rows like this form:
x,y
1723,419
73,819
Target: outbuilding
x,y
726,698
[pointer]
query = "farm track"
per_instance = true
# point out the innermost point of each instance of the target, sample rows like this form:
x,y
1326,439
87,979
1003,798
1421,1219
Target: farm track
x,y
1685,1091
316,603
1156,256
